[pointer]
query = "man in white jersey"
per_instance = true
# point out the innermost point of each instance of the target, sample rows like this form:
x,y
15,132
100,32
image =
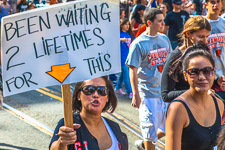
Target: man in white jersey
x,y
216,39
146,58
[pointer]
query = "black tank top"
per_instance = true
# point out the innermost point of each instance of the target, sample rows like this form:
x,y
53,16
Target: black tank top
x,y
197,137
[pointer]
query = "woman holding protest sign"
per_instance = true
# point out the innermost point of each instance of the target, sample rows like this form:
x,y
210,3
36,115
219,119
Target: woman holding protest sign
x,y
90,99
194,118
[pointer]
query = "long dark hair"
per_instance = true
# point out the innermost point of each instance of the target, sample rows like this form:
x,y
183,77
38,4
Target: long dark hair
x,y
110,105
136,15
123,21
182,62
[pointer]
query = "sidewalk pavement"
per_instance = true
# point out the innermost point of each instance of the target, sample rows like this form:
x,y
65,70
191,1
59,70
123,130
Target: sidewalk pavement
x,y
16,134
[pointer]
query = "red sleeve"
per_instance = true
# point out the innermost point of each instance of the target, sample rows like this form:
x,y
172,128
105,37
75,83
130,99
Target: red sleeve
x,y
141,30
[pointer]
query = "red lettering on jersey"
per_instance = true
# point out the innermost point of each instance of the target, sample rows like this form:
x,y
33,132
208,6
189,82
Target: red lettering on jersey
x,y
119,146
76,146
85,145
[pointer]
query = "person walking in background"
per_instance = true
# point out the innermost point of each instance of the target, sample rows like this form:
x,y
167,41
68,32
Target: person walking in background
x,y
175,21
137,18
122,13
126,37
223,9
186,6
154,3
196,29
136,2
197,7
22,6
5,9
146,60
194,118
216,40
164,7
31,6
90,99
169,2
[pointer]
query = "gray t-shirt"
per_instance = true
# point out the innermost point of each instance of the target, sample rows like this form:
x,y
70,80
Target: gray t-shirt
x,y
216,43
148,54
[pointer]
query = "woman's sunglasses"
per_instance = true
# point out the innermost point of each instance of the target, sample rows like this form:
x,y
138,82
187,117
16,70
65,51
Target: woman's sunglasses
x,y
207,71
89,89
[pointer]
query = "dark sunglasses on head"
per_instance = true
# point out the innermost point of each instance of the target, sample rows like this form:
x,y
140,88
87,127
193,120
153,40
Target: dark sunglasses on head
x,y
207,71
89,89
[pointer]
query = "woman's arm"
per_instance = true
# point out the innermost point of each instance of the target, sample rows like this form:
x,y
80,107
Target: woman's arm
x,y
66,136
168,91
124,39
132,25
149,3
175,122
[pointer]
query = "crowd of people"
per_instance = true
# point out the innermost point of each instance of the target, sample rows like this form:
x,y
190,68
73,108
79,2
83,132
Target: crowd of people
x,y
172,66
176,69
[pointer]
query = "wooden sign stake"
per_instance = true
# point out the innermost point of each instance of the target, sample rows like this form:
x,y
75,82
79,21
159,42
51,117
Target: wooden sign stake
x,y
67,105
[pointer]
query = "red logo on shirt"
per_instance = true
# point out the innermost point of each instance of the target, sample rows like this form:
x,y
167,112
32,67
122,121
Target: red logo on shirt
x,y
216,40
157,57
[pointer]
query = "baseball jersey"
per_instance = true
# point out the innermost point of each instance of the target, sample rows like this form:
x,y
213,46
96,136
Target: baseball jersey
x,y
85,140
148,54
216,43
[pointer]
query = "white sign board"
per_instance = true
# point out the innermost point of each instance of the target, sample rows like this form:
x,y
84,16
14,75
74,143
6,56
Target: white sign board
x,y
60,44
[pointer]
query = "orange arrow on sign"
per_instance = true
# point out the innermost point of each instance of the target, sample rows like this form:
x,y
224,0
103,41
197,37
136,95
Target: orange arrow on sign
x,y
60,72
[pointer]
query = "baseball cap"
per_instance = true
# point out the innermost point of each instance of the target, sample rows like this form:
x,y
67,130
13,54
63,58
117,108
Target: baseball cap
x,y
178,2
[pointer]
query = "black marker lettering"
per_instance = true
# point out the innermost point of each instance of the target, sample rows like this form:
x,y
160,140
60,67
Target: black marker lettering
x,y
99,30
89,66
92,14
55,47
103,13
107,61
7,29
42,20
86,38
17,50
29,25
17,27
35,49
28,80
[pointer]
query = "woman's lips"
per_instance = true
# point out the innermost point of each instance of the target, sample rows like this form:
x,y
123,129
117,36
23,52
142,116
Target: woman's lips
x,y
202,84
95,103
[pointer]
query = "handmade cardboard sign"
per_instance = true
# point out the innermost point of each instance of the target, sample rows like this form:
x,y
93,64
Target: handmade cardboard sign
x,y
59,44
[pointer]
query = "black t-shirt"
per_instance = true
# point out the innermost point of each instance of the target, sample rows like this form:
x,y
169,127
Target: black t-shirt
x,y
198,5
175,21
85,140
22,7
